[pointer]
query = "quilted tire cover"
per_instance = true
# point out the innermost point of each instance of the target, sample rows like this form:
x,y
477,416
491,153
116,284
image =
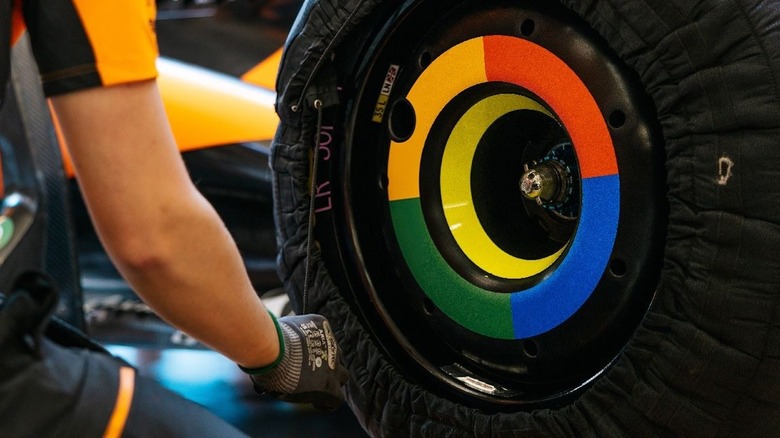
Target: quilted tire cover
x,y
705,360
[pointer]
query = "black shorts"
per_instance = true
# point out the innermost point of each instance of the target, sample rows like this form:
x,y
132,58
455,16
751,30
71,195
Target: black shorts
x,y
87,43
55,382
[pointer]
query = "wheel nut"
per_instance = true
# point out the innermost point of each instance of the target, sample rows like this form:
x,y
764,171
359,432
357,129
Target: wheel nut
x,y
543,182
531,184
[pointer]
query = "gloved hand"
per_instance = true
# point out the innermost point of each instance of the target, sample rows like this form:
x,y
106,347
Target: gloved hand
x,y
308,369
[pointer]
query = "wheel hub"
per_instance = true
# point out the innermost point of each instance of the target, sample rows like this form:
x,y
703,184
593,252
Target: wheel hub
x,y
545,183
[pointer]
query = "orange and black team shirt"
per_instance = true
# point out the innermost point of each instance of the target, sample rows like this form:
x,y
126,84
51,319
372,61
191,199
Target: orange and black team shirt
x,y
88,43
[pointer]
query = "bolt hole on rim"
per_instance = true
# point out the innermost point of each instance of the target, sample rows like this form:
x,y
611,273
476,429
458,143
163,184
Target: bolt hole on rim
x,y
617,119
527,28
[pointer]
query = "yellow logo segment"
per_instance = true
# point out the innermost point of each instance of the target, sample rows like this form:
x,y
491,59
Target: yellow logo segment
x,y
456,189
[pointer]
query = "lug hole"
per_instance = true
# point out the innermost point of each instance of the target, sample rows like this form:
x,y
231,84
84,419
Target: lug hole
x,y
402,120
530,348
425,59
618,267
617,119
527,27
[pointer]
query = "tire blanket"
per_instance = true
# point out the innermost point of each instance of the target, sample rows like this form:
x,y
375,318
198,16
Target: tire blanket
x,y
705,361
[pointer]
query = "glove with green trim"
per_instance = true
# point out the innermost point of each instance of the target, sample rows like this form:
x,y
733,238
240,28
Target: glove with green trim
x,y
308,369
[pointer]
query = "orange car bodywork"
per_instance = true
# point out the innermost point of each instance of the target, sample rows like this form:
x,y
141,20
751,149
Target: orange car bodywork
x,y
209,109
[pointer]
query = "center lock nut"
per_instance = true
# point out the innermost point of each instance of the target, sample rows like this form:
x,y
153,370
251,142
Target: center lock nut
x,y
545,183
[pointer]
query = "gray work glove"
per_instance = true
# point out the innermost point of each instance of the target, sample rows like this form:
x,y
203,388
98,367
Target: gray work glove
x,y
308,369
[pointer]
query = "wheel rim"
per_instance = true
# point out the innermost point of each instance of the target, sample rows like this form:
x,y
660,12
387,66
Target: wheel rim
x,y
555,299
461,288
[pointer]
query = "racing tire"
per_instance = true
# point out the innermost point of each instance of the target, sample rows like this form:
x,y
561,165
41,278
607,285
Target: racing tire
x,y
643,296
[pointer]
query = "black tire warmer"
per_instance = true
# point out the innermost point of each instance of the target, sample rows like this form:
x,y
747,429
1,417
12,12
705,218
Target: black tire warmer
x,y
705,361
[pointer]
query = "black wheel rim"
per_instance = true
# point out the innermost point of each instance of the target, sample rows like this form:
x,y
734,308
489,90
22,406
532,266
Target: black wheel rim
x,y
534,298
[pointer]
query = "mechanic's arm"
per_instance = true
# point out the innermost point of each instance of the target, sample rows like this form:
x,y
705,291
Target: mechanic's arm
x,y
174,250
164,237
